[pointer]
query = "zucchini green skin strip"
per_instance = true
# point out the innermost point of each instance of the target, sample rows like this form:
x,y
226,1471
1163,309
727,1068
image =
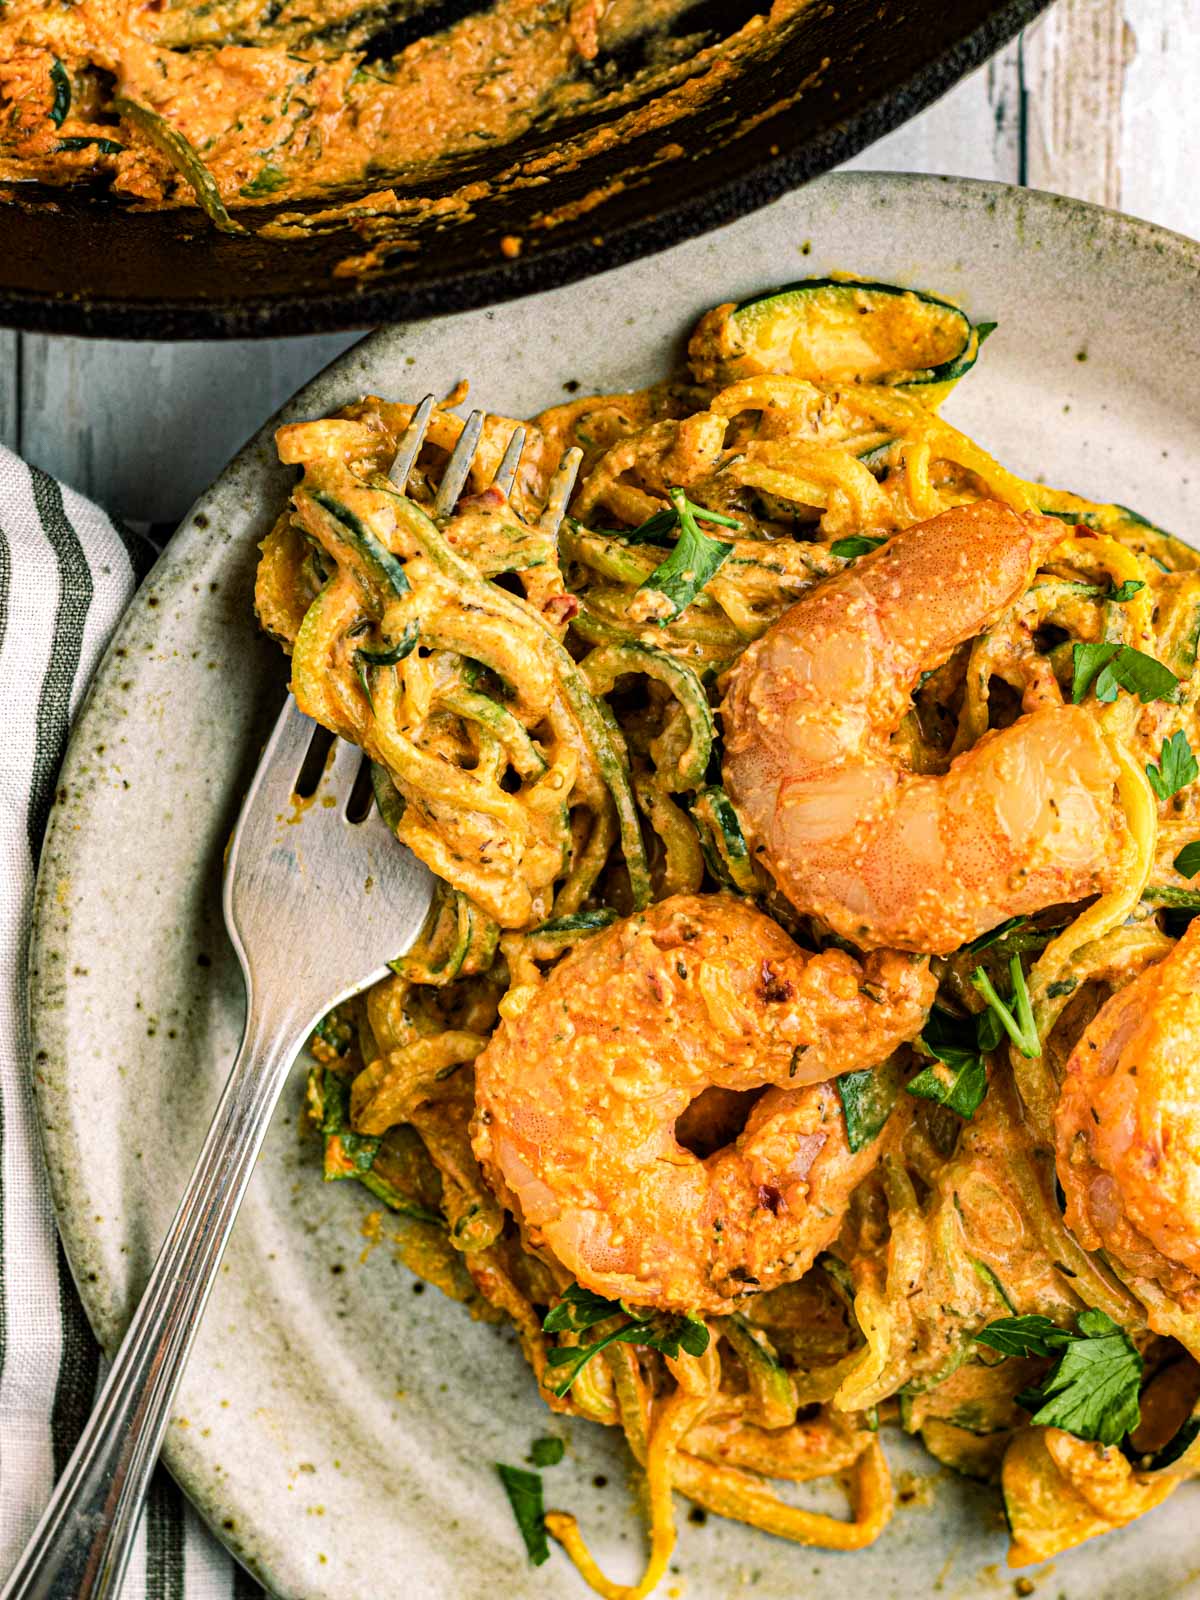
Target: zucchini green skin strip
x,y
721,839
772,1389
586,711
611,558
168,141
387,797
595,629
1178,625
471,943
578,922
350,532
422,964
945,372
602,667
683,869
473,706
404,646
586,864
319,691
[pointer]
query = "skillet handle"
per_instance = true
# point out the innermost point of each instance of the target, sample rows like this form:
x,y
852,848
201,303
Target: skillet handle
x,y
81,1546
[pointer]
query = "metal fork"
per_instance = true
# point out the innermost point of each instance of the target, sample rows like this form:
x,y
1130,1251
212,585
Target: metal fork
x,y
294,864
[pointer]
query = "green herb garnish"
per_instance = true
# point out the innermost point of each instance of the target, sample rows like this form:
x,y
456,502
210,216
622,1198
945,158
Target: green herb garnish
x,y
1176,766
106,147
653,531
858,544
334,1033
524,1491
265,181
957,1078
959,1088
1024,1336
1118,666
580,1309
1187,862
356,1151
1124,591
695,559
62,93
578,922
1092,1392
1020,1028
868,1098
546,1452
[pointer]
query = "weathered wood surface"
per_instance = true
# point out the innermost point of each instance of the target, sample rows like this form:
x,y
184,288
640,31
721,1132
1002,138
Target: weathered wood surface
x,y
1096,100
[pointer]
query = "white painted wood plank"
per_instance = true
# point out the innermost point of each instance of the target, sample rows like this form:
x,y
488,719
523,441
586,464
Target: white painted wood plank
x,y
974,131
143,428
1160,119
10,434
1073,70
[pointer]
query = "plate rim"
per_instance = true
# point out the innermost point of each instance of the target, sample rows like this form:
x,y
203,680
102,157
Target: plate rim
x,y
50,1052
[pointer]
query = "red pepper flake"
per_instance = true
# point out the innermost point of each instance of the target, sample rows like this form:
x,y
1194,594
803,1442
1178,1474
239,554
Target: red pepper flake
x,y
561,608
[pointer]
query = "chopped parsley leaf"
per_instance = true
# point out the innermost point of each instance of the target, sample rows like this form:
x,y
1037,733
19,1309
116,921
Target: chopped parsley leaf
x,y
1176,766
524,1491
580,1309
1112,667
1093,1389
858,544
695,560
960,1088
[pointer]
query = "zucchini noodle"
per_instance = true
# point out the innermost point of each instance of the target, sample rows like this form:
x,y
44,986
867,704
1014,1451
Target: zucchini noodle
x,y
545,733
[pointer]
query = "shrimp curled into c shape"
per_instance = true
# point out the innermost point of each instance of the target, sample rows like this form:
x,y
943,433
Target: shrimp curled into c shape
x,y
579,1091
1025,819
1127,1126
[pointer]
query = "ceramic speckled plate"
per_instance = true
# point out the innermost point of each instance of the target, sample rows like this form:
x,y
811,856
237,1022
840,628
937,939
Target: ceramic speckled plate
x,y
333,1426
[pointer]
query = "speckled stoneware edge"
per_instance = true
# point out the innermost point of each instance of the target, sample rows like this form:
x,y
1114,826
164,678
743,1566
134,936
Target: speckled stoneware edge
x,y
334,1427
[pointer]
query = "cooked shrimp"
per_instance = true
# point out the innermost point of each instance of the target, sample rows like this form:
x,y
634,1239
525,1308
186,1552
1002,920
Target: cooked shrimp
x,y
1127,1126
1025,819
579,1092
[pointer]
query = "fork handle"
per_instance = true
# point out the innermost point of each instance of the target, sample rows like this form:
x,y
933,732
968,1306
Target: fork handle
x,y
80,1548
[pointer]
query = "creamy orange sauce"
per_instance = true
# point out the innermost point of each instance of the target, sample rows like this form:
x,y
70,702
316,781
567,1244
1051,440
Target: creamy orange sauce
x,y
285,100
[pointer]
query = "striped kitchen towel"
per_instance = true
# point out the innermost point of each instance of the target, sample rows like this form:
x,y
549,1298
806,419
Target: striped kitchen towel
x,y
66,574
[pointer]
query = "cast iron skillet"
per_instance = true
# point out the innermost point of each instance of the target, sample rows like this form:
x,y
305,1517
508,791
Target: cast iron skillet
x,y
76,262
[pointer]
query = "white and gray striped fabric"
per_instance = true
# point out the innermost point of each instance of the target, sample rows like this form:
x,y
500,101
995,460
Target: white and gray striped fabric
x,y
66,574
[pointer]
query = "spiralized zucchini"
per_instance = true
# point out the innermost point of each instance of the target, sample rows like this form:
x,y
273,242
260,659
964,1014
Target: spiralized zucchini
x,y
548,740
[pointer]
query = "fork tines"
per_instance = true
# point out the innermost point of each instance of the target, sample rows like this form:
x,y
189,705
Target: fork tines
x,y
459,465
